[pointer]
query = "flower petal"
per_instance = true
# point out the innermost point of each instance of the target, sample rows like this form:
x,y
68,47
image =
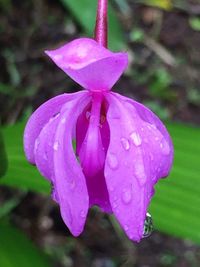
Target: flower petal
x,y
40,117
129,170
164,142
44,148
69,180
90,64
91,153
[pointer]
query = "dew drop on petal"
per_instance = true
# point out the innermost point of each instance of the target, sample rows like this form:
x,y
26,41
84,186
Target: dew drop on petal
x,y
83,214
63,120
165,148
115,205
148,226
72,184
87,115
111,189
151,156
112,161
57,57
125,143
135,137
126,227
140,173
45,156
126,196
37,142
56,145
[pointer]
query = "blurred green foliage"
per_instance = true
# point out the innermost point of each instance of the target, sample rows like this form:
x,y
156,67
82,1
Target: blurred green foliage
x,y
116,40
3,157
163,4
195,23
20,173
17,251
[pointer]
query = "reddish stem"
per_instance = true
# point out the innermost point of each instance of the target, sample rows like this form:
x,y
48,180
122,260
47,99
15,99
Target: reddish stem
x,y
101,27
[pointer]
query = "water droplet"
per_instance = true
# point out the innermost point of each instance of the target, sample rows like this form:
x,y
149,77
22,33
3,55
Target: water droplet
x,y
115,205
55,116
140,173
117,211
151,157
126,227
102,119
165,147
57,57
37,142
56,145
45,156
111,188
63,120
127,196
148,226
72,184
115,198
83,214
135,137
125,143
112,161
87,115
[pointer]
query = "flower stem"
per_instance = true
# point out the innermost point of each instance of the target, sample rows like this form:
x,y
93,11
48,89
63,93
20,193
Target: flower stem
x,y
101,27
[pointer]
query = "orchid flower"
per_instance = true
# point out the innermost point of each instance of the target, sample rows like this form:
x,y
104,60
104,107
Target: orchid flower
x,y
122,148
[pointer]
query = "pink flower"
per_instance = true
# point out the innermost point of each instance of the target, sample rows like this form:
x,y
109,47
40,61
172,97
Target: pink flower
x,y
122,148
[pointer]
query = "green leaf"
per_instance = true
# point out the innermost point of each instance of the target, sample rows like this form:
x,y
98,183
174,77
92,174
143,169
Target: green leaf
x,y
3,157
163,4
195,23
85,13
20,173
17,251
8,206
176,204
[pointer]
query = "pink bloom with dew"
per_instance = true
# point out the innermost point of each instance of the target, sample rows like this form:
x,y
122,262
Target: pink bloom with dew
x,y
122,148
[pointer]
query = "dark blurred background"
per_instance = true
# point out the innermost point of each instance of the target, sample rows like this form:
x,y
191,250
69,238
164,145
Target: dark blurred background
x,y
162,38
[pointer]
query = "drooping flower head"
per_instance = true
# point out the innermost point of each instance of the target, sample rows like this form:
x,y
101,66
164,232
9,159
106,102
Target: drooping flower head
x,y
122,148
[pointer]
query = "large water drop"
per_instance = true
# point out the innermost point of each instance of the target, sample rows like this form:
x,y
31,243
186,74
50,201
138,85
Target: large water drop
x,y
148,226
127,196
112,161
125,143
56,145
165,148
135,137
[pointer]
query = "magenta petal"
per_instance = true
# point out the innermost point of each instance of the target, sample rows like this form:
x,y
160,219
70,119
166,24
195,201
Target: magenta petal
x,y
91,153
69,180
44,148
39,118
131,164
89,64
161,142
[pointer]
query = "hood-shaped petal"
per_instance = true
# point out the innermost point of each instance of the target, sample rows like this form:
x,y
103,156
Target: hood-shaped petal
x,y
131,167
90,64
40,117
69,180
